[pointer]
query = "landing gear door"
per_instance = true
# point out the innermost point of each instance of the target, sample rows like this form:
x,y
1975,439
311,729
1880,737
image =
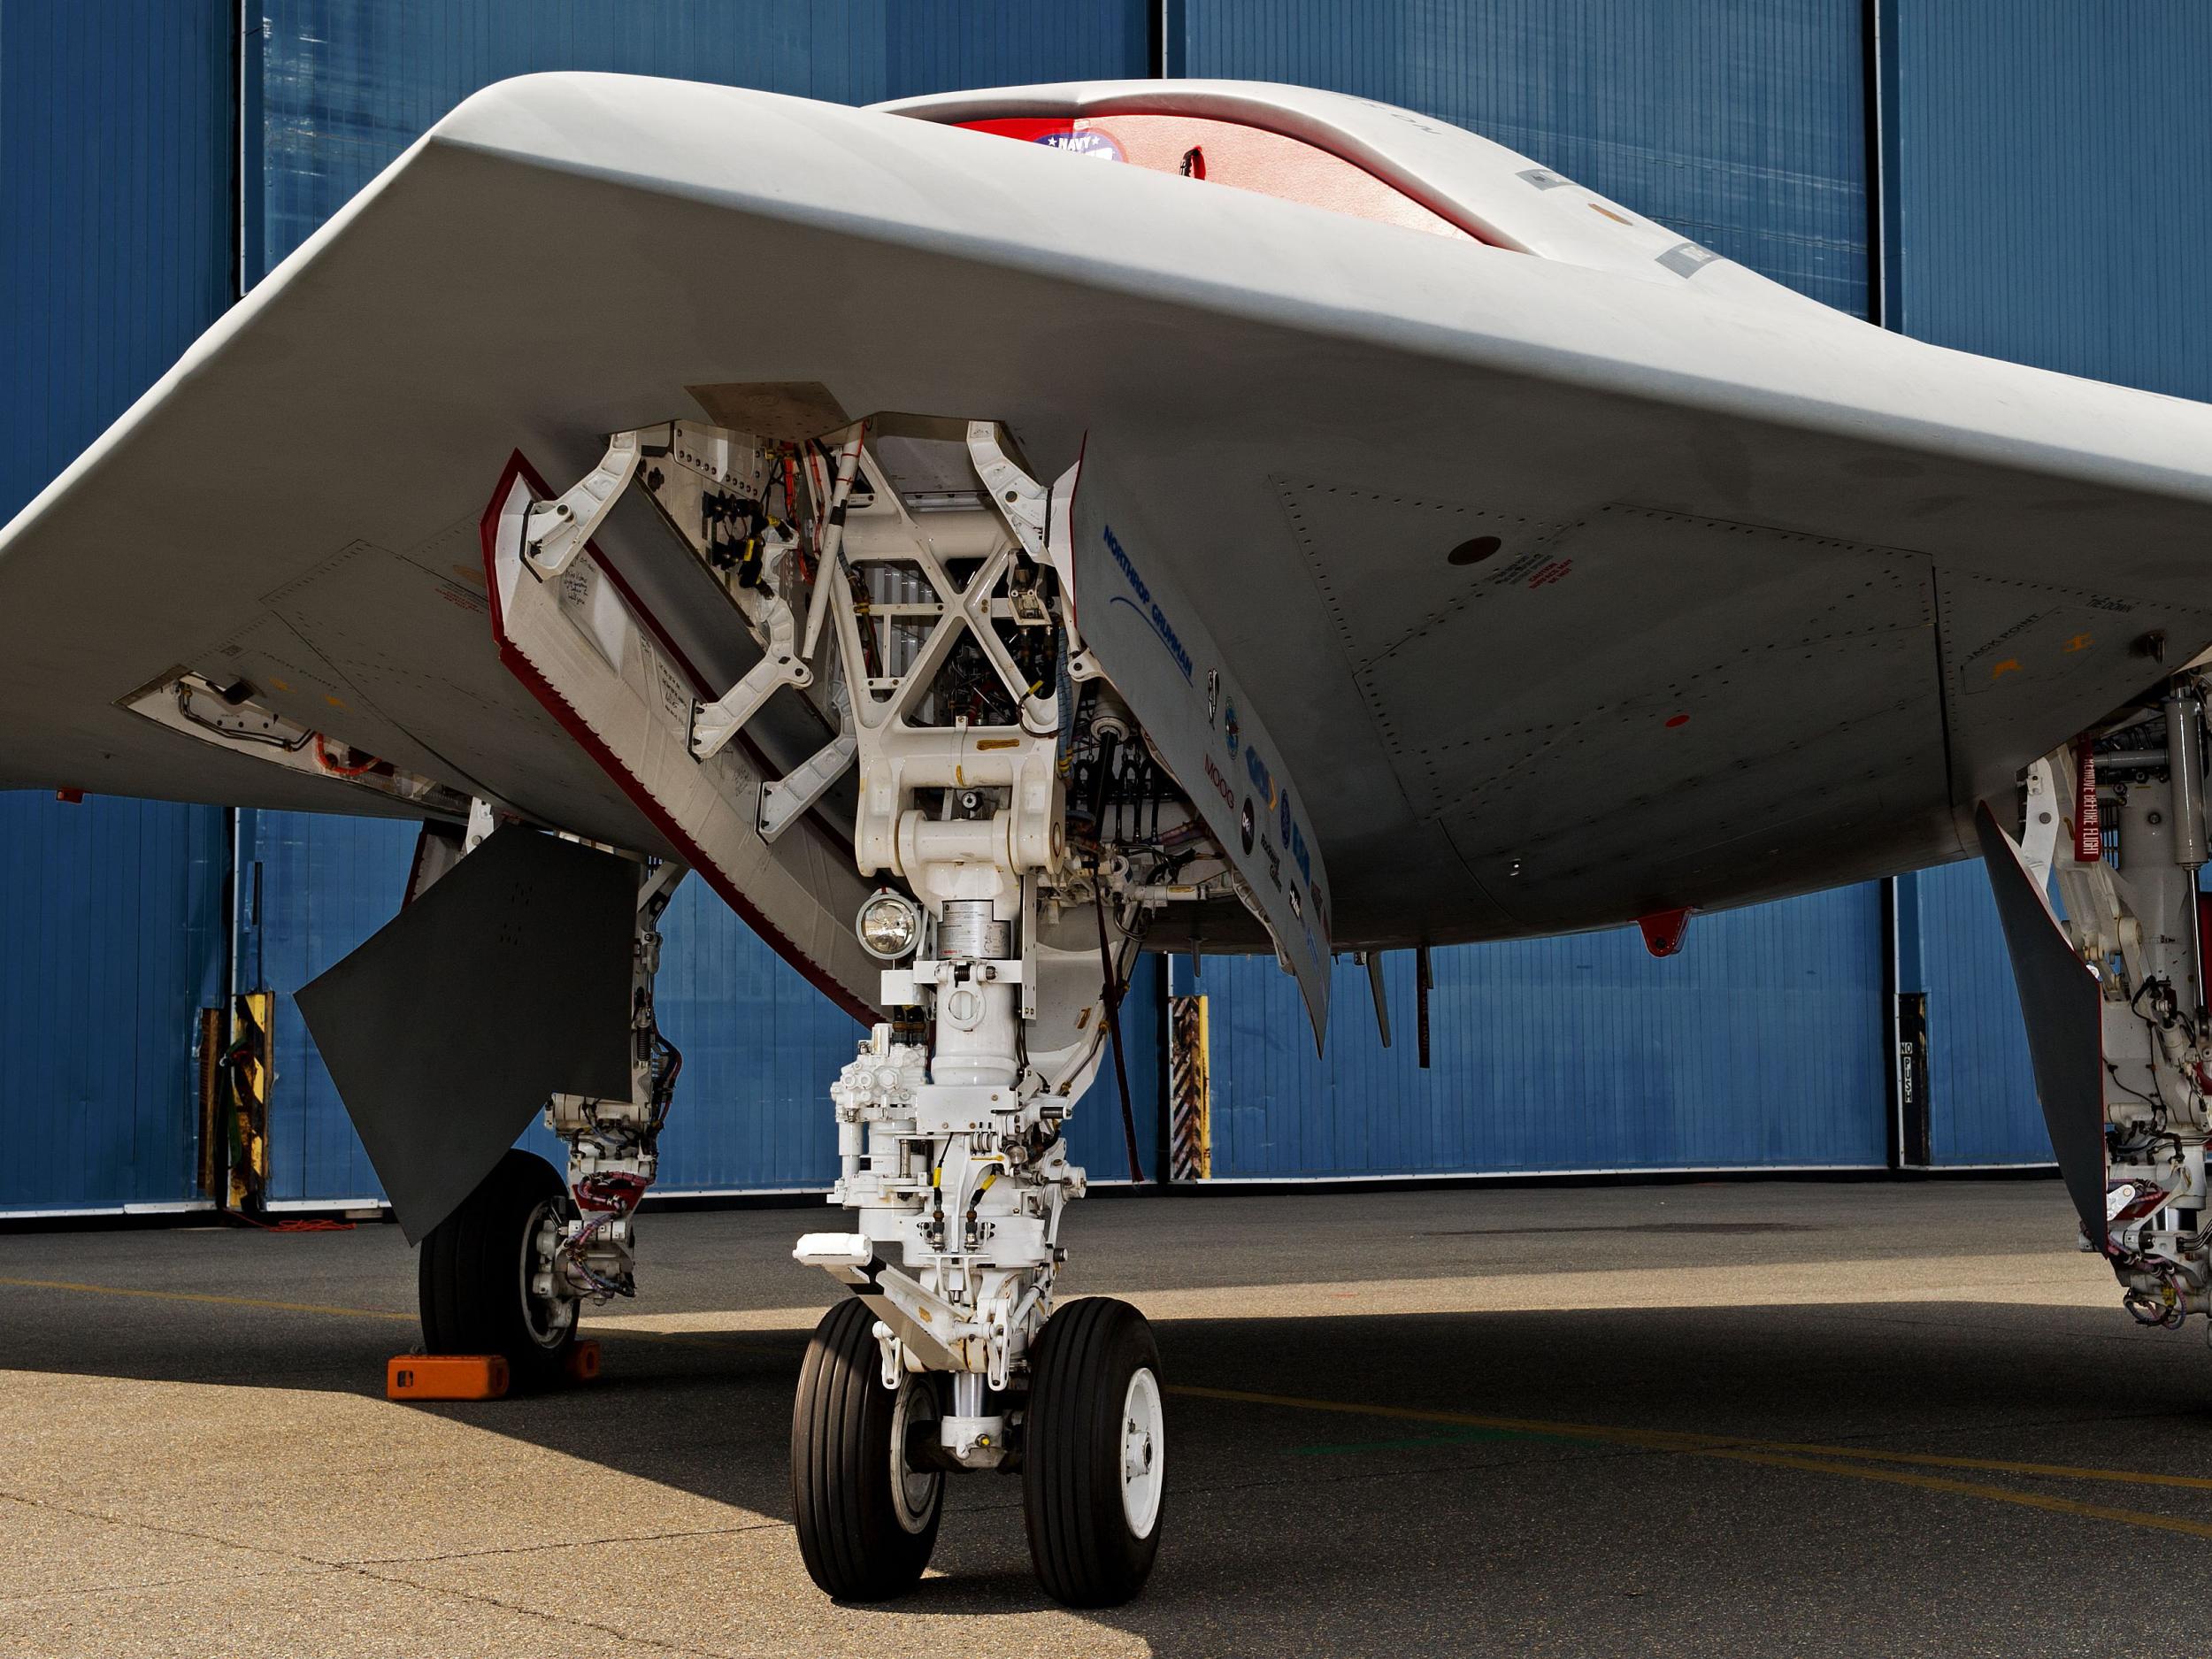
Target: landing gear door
x,y
1136,622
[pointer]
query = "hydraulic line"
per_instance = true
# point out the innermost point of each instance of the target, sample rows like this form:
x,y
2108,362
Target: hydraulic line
x,y
1110,996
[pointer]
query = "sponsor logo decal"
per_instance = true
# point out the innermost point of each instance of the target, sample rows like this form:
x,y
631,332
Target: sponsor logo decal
x,y
1263,781
1147,607
1220,784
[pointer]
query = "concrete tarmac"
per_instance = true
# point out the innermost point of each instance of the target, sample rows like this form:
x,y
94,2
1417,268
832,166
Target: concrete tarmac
x,y
1784,1418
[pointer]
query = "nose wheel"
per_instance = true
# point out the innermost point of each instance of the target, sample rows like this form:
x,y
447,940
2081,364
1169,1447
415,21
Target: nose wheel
x,y
1095,1454
867,1512
868,1493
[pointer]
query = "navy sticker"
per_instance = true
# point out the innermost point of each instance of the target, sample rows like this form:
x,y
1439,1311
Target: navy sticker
x,y
1092,142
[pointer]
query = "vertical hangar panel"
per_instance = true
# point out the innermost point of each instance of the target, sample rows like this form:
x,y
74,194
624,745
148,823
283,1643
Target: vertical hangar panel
x,y
2032,148
1743,127
1981,1089
325,884
2038,145
114,254
115,221
944,45
1759,1046
350,83
112,924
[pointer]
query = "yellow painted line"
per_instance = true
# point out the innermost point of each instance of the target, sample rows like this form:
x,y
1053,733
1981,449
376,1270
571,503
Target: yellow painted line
x,y
1714,1445
1997,1465
2045,1500
208,1297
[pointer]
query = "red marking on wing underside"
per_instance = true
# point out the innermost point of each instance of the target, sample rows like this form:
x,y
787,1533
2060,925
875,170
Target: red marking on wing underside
x,y
1664,931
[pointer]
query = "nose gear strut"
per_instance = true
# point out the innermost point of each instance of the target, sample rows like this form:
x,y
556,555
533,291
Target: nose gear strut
x,y
1014,823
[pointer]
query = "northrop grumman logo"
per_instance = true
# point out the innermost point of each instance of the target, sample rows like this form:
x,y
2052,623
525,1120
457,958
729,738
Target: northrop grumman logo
x,y
1147,607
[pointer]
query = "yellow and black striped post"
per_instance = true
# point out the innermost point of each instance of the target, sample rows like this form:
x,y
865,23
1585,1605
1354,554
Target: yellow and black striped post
x,y
250,1063
1190,1126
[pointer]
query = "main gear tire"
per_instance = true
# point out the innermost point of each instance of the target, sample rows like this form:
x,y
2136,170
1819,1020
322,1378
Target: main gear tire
x,y
476,1278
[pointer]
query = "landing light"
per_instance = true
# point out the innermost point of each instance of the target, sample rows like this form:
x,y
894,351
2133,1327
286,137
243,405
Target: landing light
x,y
887,925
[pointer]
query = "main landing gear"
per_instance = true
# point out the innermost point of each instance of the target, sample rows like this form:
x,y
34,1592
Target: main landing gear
x,y
509,1271
480,1274
2114,992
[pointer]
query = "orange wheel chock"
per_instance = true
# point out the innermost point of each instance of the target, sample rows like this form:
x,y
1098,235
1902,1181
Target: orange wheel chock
x,y
583,1360
445,1377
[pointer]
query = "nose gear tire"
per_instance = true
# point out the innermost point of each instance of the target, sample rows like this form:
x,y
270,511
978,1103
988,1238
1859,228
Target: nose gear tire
x,y
473,1276
1087,1468
867,1519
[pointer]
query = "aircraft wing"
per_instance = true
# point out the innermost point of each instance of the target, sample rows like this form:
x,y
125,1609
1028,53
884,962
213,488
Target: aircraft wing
x,y
1568,591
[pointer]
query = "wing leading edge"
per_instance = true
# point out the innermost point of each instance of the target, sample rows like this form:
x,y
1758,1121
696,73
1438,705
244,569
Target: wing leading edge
x,y
1317,413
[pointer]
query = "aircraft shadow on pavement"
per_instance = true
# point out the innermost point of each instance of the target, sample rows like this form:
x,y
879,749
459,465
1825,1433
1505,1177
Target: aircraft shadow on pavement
x,y
1492,1471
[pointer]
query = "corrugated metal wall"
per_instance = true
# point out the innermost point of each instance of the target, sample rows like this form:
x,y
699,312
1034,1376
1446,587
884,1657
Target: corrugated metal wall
x,y
111,922
2048,160
2040,169
1981,1088
1759,1046
946,45
115,195
1741,126
347,84
115,213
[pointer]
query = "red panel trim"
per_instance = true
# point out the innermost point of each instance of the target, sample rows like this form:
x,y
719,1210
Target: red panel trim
x,y
558,707
1030,129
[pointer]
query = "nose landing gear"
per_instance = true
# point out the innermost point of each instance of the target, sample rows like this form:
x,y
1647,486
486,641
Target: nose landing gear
x,y
868,1463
